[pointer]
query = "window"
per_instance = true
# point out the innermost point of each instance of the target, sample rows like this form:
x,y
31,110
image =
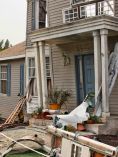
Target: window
x,y
32,77
75,2
31,68
70,14
42,13
106,7
3,79
48,73
88,10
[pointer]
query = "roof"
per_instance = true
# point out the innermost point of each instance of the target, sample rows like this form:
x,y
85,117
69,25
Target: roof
x,y
17,51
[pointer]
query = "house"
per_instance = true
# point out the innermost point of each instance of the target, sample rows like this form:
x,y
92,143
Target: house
x,y
12,77
80,35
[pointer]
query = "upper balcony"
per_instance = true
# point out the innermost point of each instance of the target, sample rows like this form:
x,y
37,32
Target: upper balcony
x,y
81,9
80,19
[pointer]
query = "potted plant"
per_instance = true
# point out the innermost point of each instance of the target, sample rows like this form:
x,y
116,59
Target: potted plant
x,y
93,119
57,98
38,113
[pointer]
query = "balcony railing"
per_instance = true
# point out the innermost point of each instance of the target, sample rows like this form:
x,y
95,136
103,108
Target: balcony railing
x,y
89,10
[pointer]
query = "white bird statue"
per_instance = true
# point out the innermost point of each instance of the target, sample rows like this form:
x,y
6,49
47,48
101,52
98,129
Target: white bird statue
x,y
78,115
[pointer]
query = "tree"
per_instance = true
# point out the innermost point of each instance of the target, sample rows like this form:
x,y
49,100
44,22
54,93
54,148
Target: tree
x,y
4,45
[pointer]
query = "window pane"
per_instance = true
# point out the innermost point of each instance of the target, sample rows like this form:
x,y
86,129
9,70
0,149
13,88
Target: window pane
x,y
3,68
31,62
31,72
3,76
3,86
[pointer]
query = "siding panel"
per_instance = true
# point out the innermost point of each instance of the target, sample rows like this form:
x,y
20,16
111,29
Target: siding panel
x,y
7,103
55,11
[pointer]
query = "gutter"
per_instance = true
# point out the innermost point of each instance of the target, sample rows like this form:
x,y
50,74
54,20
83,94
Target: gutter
x,y
12,57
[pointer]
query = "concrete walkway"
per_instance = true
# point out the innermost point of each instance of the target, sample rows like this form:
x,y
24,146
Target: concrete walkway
x,y
19,132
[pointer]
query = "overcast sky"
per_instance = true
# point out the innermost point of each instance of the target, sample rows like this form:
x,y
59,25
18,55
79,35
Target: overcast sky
x,y
13,20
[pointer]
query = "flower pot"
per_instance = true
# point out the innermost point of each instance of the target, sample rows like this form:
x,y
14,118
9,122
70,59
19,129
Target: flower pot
x,y
80,127
90,121
54,106
98,155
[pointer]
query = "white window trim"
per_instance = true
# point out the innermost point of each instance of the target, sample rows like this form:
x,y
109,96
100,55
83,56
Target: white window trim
x,y
2,94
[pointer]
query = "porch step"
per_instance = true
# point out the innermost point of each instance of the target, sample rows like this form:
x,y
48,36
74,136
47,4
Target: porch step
x,y
94,128
110,127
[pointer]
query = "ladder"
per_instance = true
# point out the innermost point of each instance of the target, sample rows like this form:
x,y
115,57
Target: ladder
x,y
11,119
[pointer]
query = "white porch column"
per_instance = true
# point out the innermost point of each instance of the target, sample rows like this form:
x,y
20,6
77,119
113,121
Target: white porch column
x,y
38,74
43,72
97,62
104,54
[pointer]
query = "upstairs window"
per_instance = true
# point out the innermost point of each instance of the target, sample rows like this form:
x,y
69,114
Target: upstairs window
x,y
38,14
75,2
106,7
88,10
70,14
42,13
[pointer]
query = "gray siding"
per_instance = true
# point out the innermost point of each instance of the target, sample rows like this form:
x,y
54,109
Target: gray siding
x,y
55,11
29,21
7,103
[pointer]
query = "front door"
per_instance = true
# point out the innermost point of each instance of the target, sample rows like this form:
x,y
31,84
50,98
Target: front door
x,y
85,76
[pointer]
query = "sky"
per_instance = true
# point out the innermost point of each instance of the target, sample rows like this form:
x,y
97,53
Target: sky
x,y
13,20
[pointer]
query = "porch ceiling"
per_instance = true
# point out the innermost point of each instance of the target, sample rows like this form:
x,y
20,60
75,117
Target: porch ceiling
x,y
73,31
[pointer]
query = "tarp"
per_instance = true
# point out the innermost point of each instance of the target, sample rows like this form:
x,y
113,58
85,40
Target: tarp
x,y
113,67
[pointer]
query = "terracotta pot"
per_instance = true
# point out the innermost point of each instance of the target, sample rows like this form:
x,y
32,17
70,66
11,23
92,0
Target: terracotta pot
x,y
80,127
57,142
54,106
90,121
98,155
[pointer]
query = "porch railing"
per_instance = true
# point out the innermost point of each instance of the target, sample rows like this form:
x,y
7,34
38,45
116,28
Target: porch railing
x,y
88,10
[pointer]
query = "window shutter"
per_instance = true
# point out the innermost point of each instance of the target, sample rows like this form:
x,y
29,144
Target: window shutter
x,y
33,14
0,78
8,79
22,79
